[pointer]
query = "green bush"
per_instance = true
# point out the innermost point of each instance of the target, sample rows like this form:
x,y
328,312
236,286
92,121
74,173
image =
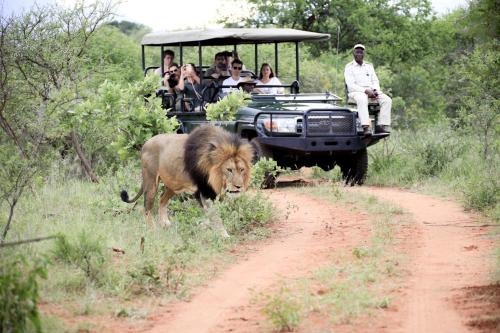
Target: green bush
x,y
245,213
226,108
19,294
282,310
265,167
481,191
85,253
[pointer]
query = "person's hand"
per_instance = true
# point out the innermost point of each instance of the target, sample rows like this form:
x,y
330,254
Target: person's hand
x,y
370,93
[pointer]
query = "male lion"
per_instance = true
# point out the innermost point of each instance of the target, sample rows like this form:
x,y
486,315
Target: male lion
x,y
209,162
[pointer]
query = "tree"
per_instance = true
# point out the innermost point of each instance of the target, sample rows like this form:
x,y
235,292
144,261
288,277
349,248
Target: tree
x,y
395,30
43,66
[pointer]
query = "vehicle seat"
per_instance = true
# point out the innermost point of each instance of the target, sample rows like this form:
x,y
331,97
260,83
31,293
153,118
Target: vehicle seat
x,y
373,104
248,73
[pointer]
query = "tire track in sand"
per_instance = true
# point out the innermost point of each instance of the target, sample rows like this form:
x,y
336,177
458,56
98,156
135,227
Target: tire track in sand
x,y
312,231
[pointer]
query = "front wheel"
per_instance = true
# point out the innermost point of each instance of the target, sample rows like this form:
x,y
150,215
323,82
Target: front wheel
x,y
354,168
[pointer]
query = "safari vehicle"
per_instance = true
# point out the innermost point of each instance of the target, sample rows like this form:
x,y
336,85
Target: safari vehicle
x,y
295,129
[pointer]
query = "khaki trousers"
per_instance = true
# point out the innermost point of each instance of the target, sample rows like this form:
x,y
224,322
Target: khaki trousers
x,y
384,118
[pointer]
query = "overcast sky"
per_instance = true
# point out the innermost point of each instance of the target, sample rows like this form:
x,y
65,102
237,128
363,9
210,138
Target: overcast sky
x,y
189,13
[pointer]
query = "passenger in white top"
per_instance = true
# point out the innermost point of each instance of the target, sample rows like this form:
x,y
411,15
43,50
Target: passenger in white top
x,y
362,84
266,77
235,78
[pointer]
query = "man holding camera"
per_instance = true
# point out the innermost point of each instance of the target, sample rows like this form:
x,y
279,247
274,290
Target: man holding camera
x,y
362,85
171,78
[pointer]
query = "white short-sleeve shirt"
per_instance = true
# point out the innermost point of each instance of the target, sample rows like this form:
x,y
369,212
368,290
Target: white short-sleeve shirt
x,y
230,82
270,90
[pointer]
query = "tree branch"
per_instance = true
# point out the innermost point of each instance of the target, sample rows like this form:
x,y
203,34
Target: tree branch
x,y
85,162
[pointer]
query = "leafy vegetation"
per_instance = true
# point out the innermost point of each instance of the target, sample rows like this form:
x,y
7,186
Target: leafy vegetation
x,y
19,292
226,108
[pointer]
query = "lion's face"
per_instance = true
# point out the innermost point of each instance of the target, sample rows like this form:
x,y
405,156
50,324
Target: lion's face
x,y
231,176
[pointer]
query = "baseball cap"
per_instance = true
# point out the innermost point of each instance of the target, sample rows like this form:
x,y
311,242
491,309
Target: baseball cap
x,y
358,46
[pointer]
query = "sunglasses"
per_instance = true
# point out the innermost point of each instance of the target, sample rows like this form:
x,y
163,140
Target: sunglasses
x,y
237,68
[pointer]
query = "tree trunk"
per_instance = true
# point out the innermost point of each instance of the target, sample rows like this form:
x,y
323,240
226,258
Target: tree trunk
x,y
86,164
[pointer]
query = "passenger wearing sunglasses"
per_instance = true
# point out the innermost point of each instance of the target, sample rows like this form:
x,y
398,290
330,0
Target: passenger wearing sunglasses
x,y
171,78
234,79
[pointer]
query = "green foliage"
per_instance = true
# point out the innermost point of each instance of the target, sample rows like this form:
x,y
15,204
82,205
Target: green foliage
x,y
86,253
264,168
19,292
226,108
282,310
245,213
151,278
482,190
480,88
439,154
123,117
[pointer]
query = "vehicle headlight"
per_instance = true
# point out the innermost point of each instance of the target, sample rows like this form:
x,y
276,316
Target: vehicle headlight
x,y
280,124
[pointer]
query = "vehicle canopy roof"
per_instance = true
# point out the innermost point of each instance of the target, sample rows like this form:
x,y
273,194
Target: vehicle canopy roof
x,y
230,36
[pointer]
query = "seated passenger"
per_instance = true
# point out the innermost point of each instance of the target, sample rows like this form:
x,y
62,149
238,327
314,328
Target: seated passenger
x,y
247,84
235,78
168,59
171,78
219,68
190,85
266,77
230,56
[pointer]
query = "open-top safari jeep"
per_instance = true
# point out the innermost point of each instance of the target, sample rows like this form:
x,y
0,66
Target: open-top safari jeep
x,y
295,129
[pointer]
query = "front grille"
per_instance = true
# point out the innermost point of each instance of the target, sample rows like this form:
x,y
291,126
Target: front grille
x,y
330,123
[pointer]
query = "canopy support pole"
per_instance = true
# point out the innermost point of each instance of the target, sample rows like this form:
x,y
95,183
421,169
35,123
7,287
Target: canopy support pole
x,y
256,59
161,61
199,58
297,69
276,59
181,56
143,58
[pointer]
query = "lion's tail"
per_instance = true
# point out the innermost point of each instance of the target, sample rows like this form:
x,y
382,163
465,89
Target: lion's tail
x,y
124,196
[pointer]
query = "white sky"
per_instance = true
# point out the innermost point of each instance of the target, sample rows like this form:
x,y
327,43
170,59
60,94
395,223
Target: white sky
x,y
160,14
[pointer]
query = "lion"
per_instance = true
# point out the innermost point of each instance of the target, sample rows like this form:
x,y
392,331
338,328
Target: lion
x,y
209,162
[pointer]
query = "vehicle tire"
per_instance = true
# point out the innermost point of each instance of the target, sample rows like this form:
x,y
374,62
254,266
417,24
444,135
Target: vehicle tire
x,y
355,168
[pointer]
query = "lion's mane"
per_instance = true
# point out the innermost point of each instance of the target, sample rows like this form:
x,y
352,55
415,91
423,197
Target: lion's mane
x,y
206,149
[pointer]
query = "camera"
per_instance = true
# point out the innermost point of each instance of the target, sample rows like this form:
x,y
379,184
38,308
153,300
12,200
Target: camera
x,y
172,81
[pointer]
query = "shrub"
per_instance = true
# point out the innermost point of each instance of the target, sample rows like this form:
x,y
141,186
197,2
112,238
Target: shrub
x,y
282,310
246,212
19,294
226,108
482,190
85,253
264,168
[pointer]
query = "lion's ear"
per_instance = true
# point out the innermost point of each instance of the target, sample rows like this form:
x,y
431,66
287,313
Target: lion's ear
x,y
211,146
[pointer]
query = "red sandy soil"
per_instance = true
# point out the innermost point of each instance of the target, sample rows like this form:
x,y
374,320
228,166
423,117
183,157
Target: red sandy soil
x,y
446,289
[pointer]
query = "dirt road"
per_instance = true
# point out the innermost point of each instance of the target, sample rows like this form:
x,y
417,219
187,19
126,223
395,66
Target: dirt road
x,y
448,252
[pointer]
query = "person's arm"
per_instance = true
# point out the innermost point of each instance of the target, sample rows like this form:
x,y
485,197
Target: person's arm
x,y
350,81
180,85
279,90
